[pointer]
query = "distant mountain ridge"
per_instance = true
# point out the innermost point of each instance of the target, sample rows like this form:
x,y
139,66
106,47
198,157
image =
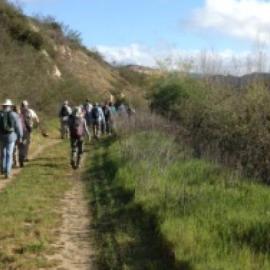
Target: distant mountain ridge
x,y
240,82
142,69
237,82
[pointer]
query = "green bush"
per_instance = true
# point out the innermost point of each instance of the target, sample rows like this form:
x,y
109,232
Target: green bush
x,y
26,36
231,127
18,26
135,78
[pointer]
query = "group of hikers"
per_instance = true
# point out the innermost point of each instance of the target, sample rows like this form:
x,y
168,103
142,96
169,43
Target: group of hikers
x,y
16,125
78,123
88,121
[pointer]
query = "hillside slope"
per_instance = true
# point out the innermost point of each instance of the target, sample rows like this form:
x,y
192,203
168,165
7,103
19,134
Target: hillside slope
x,y
45,62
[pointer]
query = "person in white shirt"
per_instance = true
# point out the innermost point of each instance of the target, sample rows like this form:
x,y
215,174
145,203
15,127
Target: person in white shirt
x,y
64,114
30,119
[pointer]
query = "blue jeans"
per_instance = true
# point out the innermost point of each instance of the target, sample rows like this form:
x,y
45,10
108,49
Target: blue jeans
x,y
7,149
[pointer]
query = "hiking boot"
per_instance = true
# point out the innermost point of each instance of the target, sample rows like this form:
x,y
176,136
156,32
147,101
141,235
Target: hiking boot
x,y
21,164
7,176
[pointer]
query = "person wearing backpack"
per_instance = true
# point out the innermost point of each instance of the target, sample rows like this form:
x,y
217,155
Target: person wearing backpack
x,y
30,119
78,129
10,132
64,115
21,144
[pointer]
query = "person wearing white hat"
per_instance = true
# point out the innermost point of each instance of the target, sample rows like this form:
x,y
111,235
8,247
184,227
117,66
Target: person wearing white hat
x,y
10,132
30,119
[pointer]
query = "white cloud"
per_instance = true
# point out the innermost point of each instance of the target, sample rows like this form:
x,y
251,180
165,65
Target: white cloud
x,y
132,54
142,55
222,62
248,19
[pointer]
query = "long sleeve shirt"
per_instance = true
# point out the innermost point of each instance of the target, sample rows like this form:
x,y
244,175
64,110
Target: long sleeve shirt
x,y
16,134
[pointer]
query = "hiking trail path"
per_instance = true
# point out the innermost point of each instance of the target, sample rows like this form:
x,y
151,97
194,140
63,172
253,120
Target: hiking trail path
x,y
74,245
74,249
32,155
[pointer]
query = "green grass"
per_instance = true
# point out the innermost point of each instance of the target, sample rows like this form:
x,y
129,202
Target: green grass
x,y
126,235
28,213
153,203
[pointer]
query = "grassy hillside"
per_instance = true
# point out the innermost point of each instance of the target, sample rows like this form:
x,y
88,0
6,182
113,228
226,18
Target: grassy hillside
x,y
45,62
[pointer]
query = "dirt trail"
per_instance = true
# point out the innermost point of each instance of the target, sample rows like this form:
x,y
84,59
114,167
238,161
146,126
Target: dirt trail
x,y
74,248
16,171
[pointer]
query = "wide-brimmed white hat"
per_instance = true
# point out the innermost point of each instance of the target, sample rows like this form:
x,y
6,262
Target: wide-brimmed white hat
x,y
7,102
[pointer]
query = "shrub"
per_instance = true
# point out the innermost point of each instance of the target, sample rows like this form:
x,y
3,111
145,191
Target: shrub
x,y
232,127
18,26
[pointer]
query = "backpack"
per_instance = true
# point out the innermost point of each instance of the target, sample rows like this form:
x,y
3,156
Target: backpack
x,y
88,117
76,127
64,111
107,113
28,120
95,113
7,122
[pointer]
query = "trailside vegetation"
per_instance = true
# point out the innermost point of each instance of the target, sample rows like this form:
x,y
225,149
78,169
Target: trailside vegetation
x,y
227,125
157,207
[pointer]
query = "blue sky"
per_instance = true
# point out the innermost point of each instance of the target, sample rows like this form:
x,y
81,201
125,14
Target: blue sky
x,y
142,30
121,22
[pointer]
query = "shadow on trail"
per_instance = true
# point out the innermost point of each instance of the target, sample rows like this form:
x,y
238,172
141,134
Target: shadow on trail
x,y
127,236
